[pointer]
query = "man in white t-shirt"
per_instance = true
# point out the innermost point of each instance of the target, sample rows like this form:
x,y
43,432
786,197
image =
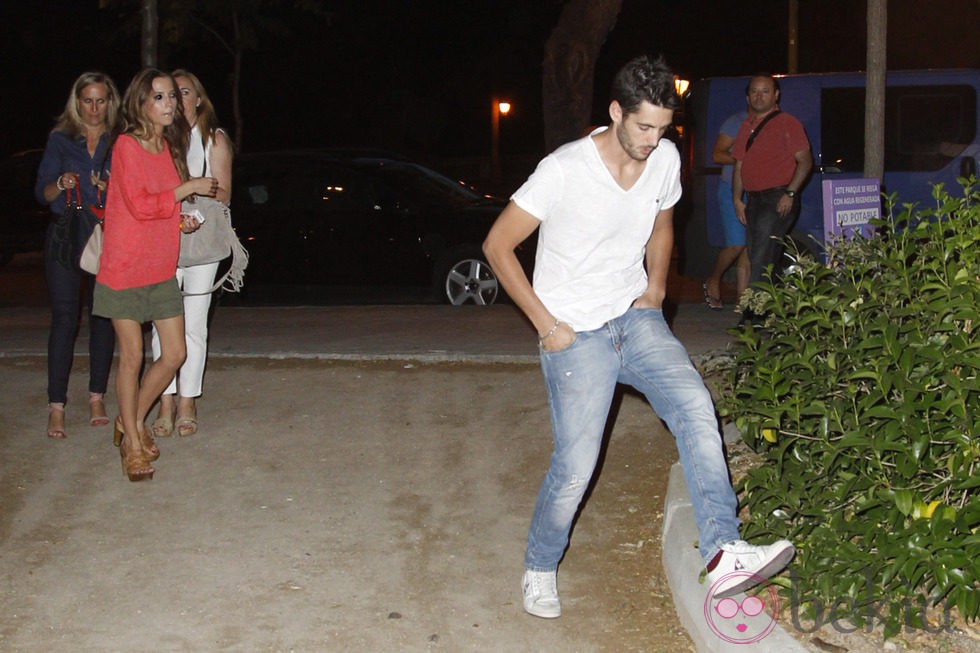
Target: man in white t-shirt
x,y
603,206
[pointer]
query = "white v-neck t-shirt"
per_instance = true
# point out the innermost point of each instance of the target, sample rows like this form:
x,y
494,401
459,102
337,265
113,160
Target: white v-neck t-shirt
x,y
589,266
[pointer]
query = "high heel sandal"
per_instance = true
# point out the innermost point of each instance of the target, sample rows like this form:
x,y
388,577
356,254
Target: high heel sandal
x,y
135,465
97,405
150,450
714,303
186,426
56,433
162,427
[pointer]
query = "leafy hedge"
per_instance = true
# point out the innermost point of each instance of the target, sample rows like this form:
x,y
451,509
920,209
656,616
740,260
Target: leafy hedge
x,y
861,392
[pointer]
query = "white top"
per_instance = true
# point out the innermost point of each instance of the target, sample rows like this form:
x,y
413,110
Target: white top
x,y
589,266
198,156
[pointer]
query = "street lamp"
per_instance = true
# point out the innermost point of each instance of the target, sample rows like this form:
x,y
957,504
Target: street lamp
x,y
497,109
681,85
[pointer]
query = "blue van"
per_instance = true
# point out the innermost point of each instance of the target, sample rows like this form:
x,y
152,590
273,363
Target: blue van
x,y
931,127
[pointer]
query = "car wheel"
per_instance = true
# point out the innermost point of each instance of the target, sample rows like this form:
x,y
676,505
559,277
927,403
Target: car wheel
x,y
466,277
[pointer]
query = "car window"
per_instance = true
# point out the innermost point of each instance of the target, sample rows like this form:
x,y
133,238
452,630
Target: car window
x,y
339,188
258,193
423,187
310,186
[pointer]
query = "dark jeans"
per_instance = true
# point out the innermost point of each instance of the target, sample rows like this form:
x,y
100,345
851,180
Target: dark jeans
x,y
64,290
765,230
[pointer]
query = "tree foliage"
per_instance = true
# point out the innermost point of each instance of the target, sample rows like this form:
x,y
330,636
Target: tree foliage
x,y
862,392
233,26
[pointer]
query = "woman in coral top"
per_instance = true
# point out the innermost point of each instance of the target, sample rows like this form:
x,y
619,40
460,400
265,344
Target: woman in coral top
x,y
136,282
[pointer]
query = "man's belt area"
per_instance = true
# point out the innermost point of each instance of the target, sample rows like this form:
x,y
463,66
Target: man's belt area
x,y
769,191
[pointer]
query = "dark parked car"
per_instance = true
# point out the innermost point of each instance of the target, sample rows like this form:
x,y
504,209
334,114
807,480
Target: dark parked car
x,y
22,220
360,220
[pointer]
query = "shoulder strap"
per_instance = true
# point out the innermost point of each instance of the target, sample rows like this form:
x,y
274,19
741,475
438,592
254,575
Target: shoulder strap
x,y
105,157
758,128
204,146
105,154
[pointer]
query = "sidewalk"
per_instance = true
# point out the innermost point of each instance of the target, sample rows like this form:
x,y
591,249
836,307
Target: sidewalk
x,y
433,333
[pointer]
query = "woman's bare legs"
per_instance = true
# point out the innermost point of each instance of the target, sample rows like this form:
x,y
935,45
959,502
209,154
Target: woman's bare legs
x,y
136,398
129,339
726,257
173,351
742,272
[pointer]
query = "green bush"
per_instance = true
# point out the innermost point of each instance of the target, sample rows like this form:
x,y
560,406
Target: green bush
x,y
860,391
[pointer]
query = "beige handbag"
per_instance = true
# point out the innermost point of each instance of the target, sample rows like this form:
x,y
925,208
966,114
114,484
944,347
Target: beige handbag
x,y
214,241
92,252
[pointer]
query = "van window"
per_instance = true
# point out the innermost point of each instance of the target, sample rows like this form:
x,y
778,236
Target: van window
x,y
925,126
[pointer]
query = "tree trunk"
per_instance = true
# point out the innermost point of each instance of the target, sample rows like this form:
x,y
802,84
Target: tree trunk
x,y
793,45
236,82
569,67
150,32
874,107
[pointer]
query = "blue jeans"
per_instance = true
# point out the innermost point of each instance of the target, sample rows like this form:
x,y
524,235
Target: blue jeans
x,y
64,292
764,231
638,349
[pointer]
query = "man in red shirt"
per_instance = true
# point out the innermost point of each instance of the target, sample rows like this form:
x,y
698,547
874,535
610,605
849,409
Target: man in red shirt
x,y
772,161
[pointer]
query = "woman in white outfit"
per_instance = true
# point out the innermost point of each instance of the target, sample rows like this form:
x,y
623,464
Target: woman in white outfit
x,y
208,155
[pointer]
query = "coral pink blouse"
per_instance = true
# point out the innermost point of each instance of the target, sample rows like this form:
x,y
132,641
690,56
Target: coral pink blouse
x,y
141,240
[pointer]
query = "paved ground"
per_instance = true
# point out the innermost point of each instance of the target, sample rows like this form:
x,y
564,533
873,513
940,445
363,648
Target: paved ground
x,y
362,481
323,507
326,504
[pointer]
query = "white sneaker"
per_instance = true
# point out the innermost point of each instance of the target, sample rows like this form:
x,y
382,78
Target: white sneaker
x,y
541,594
743,565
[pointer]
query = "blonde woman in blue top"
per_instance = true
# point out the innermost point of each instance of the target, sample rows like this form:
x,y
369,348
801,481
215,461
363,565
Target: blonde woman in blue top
x,y
75,159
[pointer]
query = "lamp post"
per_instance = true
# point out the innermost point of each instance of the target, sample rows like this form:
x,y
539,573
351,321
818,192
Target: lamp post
x,y
498,108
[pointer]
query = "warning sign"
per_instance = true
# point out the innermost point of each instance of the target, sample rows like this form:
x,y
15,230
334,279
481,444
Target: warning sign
x,y
849,205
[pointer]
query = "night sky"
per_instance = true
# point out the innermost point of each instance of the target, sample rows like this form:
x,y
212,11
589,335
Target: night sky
x,y
417,76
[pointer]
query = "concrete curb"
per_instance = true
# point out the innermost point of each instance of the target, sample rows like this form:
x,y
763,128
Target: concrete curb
x,y
682,562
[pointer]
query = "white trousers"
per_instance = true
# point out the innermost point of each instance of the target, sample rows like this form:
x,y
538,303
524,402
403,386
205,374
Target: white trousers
x,y
190,376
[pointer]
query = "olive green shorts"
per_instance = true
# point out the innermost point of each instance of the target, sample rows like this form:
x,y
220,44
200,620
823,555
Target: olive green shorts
x,y
157,301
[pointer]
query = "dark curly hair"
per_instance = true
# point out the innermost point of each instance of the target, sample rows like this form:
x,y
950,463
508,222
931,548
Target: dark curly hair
x,y
645,80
